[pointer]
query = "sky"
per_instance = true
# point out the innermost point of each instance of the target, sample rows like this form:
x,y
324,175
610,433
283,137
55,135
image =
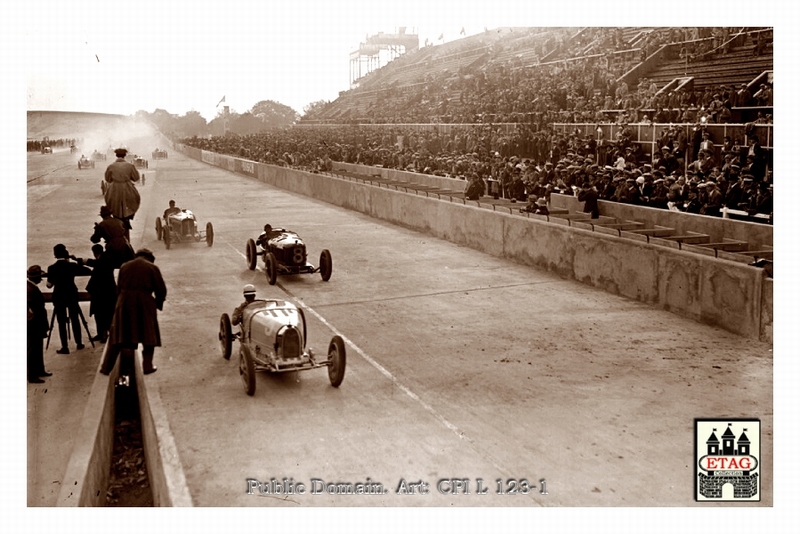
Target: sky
x,y
179,56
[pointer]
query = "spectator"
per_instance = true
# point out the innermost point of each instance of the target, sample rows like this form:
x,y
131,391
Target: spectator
x,y
61,277
121,195
37,327
113,232
141,292
102,290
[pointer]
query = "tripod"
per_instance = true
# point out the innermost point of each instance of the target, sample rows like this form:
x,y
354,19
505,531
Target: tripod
x,y
53,322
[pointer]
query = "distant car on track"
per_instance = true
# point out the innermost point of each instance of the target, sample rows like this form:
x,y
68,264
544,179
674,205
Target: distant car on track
x,y
85,163
140,162
272,338
284,252
181,227
98,156
47,150
160,154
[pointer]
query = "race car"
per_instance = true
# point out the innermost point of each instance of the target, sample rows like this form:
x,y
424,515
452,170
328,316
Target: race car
x,y
73,149
47,150
159,154
181,227
272,337
85,163
285,253
140,162
98,156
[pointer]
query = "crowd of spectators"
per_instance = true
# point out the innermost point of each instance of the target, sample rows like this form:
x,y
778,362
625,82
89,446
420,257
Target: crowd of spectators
x,y
36,145
679,176
582,85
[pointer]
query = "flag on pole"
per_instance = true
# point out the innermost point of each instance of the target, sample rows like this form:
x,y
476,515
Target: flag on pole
x,y
221,101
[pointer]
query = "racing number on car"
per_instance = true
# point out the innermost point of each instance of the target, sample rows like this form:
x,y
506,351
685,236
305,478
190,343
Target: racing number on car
x,y
298,255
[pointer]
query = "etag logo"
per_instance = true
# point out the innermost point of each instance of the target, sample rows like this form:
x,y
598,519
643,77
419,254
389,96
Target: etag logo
x,y
727,460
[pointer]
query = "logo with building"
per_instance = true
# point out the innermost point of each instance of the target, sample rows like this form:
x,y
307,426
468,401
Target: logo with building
x,y
727,454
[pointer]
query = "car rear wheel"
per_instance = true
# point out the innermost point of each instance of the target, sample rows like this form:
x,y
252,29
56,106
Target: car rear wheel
x,y
337,361
209,234
103,187
252,256
225,336
325,265
271,268
159,229
247,371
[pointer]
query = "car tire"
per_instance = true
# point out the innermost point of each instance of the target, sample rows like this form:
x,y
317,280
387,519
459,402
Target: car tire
x,y
225,336
103,187
247,370
159,229
337,361
325,265
167,236
271,268
252,255
209,234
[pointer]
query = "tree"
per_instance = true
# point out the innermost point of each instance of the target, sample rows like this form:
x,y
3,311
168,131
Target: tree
x,y
311,110
274,114
191,124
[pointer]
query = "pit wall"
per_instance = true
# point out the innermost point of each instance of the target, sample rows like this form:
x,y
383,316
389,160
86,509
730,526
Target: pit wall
x,y
709,290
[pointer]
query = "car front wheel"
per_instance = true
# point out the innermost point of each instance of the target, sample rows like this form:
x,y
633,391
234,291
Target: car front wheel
x,y
337,361
247,371
225,336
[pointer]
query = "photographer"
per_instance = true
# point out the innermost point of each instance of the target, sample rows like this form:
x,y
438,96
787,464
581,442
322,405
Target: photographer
x,y
61,277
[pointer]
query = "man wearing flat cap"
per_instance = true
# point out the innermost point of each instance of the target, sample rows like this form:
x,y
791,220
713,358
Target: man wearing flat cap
x,y
37,327
141,292
121,195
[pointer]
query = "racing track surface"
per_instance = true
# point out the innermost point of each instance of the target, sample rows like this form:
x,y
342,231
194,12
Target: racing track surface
x,y
460,364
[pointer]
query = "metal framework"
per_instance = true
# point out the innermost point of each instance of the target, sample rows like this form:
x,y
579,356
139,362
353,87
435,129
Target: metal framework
x,y
368,56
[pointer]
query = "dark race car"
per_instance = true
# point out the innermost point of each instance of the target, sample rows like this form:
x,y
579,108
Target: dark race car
x,y
160,154
98,156
181,227
285,253
140,162
272,338
85,163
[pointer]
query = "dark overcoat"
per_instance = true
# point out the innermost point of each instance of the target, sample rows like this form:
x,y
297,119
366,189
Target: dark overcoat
x,y
121,195
141,291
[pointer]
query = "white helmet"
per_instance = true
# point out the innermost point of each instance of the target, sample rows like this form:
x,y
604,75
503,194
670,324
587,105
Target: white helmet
x,y
249,289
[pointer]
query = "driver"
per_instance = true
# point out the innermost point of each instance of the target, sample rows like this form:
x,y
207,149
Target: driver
x,y
267,234
171,209
249,292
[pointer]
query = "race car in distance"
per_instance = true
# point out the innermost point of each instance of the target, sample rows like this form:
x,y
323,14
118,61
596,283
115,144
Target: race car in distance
x,y
85,163
98,156
159,154
285,253
181,227
140,162
47,150
272,337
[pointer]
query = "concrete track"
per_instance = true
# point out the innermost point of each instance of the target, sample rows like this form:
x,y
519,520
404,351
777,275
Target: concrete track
x,y
460,365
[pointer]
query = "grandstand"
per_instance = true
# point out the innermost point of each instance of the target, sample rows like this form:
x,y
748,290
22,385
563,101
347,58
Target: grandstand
x,y
431,83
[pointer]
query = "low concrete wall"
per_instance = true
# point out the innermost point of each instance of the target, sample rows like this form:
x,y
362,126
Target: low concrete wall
x,y
706,289
441,182
89,468
164,469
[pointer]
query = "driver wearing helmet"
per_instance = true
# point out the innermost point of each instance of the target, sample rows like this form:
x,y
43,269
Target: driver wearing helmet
x,y
267,234
171,209
249,292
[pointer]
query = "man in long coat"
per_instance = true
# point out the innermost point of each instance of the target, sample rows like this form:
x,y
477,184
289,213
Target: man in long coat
x,y
113,232
141,291
121,195
37,327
